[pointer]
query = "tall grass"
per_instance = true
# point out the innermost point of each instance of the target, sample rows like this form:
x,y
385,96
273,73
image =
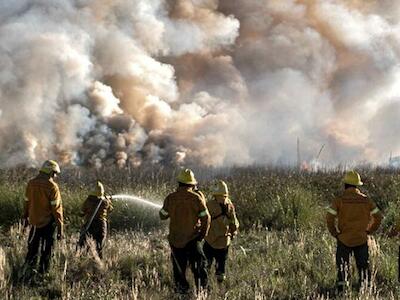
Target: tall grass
x,y
263,264
283,250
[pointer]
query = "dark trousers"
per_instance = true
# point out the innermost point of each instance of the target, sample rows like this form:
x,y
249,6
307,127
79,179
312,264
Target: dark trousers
x,y
98,232
40,239
192,254
220,256
343,259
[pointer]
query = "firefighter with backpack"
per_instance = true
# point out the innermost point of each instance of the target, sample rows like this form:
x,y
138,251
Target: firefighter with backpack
x,y
224,226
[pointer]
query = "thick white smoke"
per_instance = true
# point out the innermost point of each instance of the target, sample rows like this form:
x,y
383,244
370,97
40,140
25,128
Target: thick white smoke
x,y
224,82
325,71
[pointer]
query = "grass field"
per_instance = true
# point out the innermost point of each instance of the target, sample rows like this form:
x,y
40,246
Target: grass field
x,y
283,250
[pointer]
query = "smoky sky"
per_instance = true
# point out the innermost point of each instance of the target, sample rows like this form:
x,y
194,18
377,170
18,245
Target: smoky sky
x,y
216,83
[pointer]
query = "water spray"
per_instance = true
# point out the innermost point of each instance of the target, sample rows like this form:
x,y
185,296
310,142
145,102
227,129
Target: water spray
x,y
115,197
137,200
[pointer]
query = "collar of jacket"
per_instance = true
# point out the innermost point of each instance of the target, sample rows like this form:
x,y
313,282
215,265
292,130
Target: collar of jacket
x,y
351,191
225,200
44,176
184,188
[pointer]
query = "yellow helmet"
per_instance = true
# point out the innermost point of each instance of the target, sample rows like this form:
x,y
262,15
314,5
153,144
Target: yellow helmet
x,y
186,176
220,188
50,166
98,190
352,178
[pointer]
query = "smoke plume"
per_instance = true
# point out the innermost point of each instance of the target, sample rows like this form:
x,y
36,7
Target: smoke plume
x,y
218,83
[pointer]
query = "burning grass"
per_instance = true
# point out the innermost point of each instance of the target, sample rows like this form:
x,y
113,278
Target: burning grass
x,y
283,250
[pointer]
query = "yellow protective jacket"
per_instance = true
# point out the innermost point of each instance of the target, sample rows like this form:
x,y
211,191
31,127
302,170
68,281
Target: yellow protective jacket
x,y
224,223
357,216
90,205
188,214
43,202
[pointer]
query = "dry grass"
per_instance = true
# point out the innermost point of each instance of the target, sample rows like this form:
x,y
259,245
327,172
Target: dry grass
x,y
263,265
283,250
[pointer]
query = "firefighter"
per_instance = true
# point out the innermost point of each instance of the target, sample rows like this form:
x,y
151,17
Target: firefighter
x,y
189,223
44,212
224,226
357,217
95,211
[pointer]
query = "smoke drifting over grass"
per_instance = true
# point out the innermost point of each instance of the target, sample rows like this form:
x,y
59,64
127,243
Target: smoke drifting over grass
x,y
206,81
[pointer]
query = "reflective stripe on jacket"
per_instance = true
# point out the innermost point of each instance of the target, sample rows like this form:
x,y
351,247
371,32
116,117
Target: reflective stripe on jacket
x,y
188,213
223,224
357,216
43,202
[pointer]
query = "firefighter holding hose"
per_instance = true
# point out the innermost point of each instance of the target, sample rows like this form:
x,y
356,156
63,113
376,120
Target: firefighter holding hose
x,y
44,212
224,226
189,223
95,210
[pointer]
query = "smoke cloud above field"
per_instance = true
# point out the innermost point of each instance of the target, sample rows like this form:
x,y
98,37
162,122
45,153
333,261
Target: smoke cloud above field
x,y
219,83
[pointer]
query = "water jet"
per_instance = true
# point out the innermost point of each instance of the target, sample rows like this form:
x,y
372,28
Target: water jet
x,y
137,199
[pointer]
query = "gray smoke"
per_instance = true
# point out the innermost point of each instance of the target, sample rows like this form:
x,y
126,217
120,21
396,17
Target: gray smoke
x,y
96,82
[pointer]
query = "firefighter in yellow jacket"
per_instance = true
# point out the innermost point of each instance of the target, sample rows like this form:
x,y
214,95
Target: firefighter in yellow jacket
x,y
189,223
224,226
95,210
43,211
357,217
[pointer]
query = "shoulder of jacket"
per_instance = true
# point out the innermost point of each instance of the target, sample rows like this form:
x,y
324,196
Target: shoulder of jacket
x,y
198,194
36,179
212,203
177,195
172,195
337,202
362,195
48,182
229,201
